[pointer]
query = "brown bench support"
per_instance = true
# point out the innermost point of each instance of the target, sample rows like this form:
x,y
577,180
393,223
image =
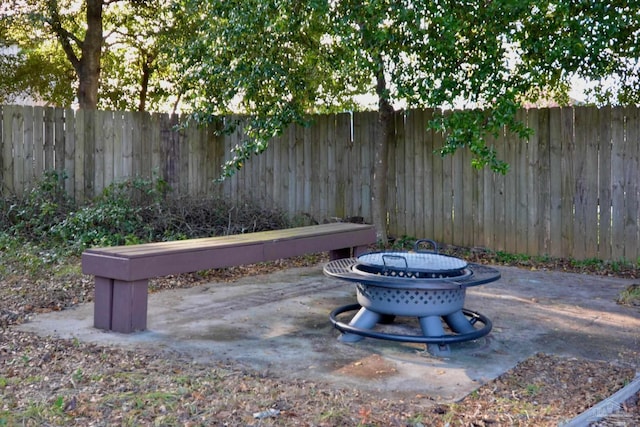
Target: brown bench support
x,y
122,273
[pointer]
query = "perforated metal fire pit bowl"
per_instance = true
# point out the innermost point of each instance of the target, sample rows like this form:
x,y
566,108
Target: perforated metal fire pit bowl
x,y
422,284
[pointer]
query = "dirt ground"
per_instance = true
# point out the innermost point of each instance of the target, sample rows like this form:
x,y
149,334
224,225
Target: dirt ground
x,y
49,381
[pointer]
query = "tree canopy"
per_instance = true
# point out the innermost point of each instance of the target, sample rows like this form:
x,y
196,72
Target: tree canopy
x,y
285,59
277,61
100,54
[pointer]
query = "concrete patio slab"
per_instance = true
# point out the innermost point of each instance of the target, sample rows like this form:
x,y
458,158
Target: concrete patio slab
x,y
278,324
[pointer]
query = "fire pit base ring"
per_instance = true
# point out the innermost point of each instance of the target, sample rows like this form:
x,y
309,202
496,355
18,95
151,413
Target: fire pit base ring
x,y
461,322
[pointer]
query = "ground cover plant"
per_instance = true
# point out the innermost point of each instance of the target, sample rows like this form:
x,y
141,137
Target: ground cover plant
x,y
49,381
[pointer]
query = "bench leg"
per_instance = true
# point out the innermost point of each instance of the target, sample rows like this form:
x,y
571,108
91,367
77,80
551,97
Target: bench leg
x,y
339,253
102,303
347,252
120,306
359,250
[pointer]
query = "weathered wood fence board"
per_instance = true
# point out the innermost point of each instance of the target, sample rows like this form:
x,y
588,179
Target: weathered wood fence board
x,y
573,188
632,183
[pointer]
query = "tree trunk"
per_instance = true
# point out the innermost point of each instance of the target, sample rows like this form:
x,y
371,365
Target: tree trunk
x,y
89,64
383,138
147,69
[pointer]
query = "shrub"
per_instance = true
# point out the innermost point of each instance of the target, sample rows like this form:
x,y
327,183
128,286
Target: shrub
x,y
47,225
117,217
32,215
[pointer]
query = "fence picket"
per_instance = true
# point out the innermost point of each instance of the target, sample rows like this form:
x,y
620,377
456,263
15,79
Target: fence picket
x,y
49,139
8,184
459,161
17,137
396,169
78,177
28,147
499,200
632,178
410,185
523,192
103,154
108,140
487,223
567,138
617,183
331,173
581,177
58,139
427,170
437,166
591,181
534,176
38,141
422,179
69,152
554,143
604,183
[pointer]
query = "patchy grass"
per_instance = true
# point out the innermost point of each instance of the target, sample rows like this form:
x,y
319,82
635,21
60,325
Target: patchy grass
x,y
630,296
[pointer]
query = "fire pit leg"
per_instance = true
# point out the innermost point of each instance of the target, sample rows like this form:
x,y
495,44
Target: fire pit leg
x,y
364,319
458,322
432,327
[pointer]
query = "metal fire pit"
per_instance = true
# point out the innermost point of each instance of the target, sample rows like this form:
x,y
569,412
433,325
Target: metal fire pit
x,y
422,284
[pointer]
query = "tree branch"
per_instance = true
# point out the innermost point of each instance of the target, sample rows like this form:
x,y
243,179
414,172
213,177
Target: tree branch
x,y
64,36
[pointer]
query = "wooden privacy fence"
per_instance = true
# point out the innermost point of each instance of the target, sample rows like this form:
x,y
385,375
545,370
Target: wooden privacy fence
x,y
572,191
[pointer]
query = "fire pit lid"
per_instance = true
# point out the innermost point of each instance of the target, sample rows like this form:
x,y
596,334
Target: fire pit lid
x,y
422,262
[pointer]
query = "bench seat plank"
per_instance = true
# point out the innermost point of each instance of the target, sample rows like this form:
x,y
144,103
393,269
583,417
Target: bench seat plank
x,y
149,260
204,243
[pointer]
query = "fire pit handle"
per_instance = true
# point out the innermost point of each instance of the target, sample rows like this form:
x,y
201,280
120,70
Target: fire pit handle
x,y
416,245
389,256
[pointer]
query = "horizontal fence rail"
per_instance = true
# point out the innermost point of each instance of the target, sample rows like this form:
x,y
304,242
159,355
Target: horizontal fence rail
x,y
573,188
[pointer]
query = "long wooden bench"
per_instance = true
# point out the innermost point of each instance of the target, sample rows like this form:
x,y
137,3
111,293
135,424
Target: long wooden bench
x,y
122,272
